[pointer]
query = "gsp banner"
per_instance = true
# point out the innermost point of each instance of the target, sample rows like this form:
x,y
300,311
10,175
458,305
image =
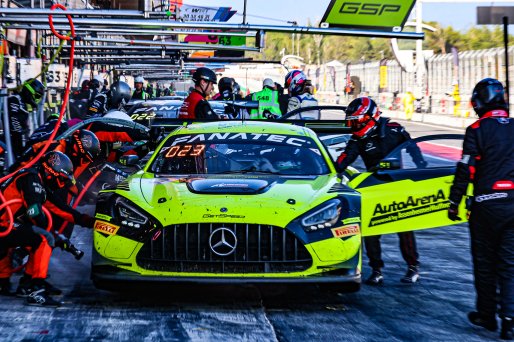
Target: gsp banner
x,y
381,15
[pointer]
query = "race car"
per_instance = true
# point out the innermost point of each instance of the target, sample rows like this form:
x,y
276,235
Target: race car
x,y
145,112
231,201
261,202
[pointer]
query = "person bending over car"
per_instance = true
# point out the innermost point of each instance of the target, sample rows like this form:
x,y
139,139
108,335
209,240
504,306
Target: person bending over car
x,y
196,106
35,186
373,138
488,162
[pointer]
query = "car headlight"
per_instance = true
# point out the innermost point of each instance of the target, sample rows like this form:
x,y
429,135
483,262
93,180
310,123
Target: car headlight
x,y
129,215
325,217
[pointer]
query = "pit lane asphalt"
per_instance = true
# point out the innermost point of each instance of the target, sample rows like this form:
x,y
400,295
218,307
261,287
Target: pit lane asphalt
x,y
432,310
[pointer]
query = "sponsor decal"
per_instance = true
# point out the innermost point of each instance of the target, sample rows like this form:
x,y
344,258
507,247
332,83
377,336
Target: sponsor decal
x,y
488,197
349,230
276,138
105,227
222,216
411,207
351,220
230,185
103,217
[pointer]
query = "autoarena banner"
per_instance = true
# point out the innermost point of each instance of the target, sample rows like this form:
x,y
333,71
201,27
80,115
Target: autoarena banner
x,y
381,15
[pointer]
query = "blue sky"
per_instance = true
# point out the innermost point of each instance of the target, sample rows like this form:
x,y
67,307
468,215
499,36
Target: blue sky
x,y
460,16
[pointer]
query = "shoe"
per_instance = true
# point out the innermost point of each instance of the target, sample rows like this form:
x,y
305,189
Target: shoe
x,y
50,289
477,319
507,332
40,297
24,286
411,276
5,287
376,278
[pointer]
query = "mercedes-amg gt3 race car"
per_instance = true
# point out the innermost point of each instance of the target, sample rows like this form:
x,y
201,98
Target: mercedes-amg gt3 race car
x,y
260,202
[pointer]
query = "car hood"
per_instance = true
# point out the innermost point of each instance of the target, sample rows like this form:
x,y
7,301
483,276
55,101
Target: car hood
x,y
259,199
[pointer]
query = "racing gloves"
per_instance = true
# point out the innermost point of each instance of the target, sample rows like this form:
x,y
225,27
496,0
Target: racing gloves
x,y
453,212
87,221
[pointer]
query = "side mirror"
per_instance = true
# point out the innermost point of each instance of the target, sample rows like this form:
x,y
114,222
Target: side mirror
x,y
129,160
389,164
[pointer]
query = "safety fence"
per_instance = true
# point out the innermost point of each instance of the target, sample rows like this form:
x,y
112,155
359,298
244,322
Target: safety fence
x,y
447,87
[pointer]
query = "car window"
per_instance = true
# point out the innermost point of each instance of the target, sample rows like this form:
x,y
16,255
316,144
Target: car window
x,y
443,150
240,153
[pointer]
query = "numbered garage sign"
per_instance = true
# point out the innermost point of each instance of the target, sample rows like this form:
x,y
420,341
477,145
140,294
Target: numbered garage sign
x,y
28,68
56,76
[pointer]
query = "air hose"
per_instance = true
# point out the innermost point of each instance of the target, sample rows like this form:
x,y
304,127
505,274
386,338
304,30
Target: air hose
x,y
70,37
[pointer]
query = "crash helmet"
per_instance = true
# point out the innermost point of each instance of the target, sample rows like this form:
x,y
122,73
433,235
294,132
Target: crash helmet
x,y
362,115
488,95
226,83
32,91
119,94
96,82
85,146
237,88
139,79
56,170
204,74
294,81
85,85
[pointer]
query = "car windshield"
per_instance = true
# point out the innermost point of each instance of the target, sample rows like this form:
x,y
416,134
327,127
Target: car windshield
x,y
240,153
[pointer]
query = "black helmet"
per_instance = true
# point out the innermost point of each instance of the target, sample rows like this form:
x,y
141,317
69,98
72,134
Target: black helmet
x,y
488,95
119,94
32,91
85,146
362,115
226,83
204,74
57,170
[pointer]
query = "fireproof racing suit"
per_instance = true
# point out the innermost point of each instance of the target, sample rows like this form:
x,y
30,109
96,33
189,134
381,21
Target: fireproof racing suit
x,y
30,222
196,107
373,149
18,122
488,163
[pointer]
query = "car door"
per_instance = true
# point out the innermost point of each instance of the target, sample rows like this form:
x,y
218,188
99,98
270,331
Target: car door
x,y
402,196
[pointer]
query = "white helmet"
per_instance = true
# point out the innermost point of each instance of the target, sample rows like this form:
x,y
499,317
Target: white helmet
x,y
139,79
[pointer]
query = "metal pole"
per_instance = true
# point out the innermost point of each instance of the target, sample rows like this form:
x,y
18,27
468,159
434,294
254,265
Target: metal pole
x,y
506,46
244,13
7,130
217,26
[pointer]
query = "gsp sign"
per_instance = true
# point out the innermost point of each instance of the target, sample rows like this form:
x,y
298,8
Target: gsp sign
x,y
383,15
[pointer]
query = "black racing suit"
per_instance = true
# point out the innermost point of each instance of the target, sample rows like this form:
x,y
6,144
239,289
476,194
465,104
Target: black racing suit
x,y
373,148
98,106
18,122
488,163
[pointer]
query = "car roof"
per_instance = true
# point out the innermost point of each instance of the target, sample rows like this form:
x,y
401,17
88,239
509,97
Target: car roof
x,y
256,127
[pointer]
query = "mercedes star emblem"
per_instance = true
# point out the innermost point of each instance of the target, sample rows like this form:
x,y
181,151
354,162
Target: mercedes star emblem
x,y
223,241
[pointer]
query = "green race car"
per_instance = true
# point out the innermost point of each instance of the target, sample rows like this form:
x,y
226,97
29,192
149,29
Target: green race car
x,y
261,202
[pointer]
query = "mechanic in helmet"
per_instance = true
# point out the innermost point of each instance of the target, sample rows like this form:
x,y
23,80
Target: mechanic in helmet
x,y
300,88
488,163
227,90
31,94
35,186
269,107
43,132
110,135
139,93
98,100
195,106
373,138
